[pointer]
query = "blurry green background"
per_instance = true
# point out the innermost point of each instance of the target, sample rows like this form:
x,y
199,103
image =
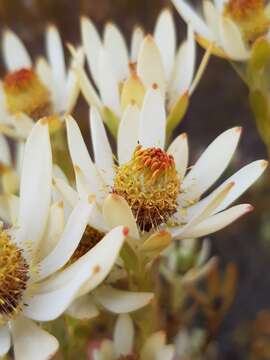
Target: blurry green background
x,y
220,102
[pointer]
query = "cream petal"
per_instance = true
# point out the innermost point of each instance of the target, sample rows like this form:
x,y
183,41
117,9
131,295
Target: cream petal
x,y
13,205
92,45
219,4
120,301
81,158
108,83
217,222
83,308
35,187
68,242
67,192
204,253
91,269
116,211
166,353
211,16
153,345
23,124
4,209
179,150
115,44
152,129
196,274
165,38
44,72
5,155
96,219
123,336
191,16
31,342
211,164
150,68
136,41
14,52
5,342
232,40
102,148
128,134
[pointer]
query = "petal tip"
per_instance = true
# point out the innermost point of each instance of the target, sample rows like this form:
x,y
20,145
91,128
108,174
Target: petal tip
x,y
125,231
264,164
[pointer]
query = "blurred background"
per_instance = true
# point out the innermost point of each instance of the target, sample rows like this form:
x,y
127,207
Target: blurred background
x,y
220,102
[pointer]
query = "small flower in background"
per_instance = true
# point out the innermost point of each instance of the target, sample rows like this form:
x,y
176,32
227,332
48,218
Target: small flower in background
x,y
35,246
30,91
231,26
122,78
123,345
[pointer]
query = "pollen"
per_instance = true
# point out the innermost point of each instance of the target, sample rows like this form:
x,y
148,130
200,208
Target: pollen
x,y
150,185
91,238
14,275
26,93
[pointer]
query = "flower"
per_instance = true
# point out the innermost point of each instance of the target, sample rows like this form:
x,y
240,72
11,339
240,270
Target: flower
x,y
122,346
35,284
231,26
145,179
30,91
123,78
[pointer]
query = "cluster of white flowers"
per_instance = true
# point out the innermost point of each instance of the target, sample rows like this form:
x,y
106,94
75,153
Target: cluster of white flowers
x,y
61,240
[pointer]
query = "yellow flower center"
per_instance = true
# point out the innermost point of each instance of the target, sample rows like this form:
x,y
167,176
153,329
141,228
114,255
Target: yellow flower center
x,y
91,237
26,93
250,16
150,185
14,274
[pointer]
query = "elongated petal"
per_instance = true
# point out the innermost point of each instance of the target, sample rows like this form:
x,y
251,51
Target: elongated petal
x,y
23,124
152,130
102,148
4,340
211,16
120,301
211,164
5,155
35,187
153,345
83,308
136,41
216,222
67,192
165,38
69,240
232,40
15,54
179,150
150,68
128,134
123,336
92,46
190,16
166,353
44,72
115,44
116,211
31,342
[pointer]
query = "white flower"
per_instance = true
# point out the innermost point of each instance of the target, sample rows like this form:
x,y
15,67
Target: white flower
x,y
122,76
231,26
35,246
122,346
30,90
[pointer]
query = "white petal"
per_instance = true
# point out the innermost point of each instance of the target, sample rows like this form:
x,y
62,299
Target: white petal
x,y
70,195
211,16
165,38
15,54
153,345
150,67
69,240
108,82
44,72
152,130
115,44
23,124
166,353
13,204
80,156
83,308
31,342
217,222
136,41
232,40
96,219
91,269
92,45
35,188
190,16
116,211
4,340
123,336
102,148
179,150
120,301
5,155
128,134
211,164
